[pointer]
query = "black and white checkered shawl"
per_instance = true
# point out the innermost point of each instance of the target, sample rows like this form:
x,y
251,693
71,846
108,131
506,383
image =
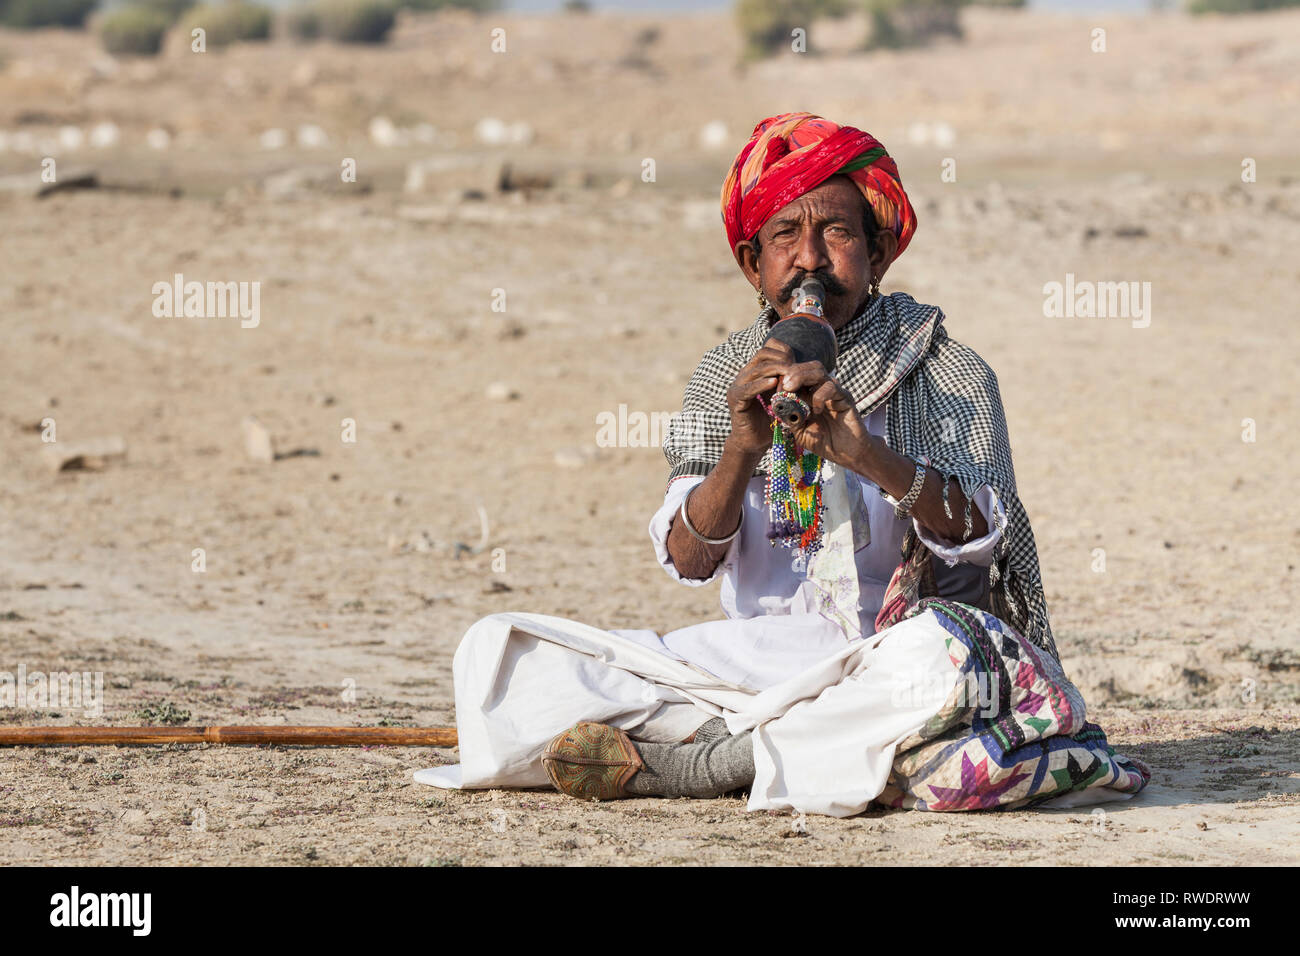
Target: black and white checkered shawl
x,y
943,407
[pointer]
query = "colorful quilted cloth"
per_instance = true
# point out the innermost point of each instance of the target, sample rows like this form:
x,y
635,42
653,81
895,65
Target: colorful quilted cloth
x,y
789,154
1012,734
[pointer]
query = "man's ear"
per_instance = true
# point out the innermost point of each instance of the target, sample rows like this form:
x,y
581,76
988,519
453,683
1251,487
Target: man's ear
x,y
747,256
882,252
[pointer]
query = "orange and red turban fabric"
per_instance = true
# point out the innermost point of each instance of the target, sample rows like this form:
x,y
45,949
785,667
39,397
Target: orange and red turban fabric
x,y
792,153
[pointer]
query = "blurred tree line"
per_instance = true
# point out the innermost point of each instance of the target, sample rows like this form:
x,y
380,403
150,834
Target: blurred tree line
x,y
766,25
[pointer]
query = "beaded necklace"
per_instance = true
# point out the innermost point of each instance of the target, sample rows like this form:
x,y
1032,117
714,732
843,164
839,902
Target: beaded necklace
x,y
794,489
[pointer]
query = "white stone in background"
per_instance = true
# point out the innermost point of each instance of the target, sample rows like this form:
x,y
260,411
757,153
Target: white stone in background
x,y
491,131
274,139
71,137
943,134
257,440
311,136
158,138
104,135
383,132
501,392
918,134
93,454
714,135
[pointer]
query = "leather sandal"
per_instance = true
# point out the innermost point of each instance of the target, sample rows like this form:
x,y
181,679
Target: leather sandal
x,y
592,761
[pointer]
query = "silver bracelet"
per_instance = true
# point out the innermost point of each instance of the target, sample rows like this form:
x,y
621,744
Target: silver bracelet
x,y
904,507
700,537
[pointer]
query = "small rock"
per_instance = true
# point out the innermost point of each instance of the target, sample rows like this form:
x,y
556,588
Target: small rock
x,y
93,454
383,132
311,136
714,135
257,440
104,135
71,137
492,131
501,392
273,139
31,185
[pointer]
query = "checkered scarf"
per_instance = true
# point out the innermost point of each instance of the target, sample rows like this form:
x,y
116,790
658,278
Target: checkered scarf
x,y
942,408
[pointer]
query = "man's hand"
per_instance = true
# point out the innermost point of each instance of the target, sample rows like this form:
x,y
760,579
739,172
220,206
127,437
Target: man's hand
x,y
834,430
751,426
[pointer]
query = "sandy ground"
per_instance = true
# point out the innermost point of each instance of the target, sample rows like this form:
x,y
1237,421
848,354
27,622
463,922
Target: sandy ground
x,y
334,591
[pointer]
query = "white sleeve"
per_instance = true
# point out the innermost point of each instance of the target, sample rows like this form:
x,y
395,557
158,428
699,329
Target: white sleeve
x,y
977,551
662,523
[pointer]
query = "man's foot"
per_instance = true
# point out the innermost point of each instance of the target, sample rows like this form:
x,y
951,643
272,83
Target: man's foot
x,y
592,761
709,730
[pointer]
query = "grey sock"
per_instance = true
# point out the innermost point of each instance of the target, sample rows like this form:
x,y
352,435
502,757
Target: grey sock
x,y
711,730
704,769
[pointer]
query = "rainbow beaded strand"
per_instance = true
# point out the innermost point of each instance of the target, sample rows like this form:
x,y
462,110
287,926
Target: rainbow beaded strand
x,y
793,493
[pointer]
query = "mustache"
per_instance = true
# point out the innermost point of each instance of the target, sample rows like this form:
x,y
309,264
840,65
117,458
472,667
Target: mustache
x,y
832,285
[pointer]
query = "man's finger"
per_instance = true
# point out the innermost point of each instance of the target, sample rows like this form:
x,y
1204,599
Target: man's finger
x,y
768,368
826,397
747,391
804,375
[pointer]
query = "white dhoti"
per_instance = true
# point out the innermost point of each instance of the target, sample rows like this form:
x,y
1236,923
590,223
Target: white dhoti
x,y
824,739
827,713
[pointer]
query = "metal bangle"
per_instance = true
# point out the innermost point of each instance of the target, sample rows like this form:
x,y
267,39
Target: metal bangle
x,y
700,537
904,507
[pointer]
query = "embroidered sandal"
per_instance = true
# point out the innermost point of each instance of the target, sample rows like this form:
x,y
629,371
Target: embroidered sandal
x,y
592,761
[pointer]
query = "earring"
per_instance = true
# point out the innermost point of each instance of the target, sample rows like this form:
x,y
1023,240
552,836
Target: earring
x,y
875,286
762,299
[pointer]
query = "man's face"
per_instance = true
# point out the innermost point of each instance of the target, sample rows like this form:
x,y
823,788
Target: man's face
x,y
821,233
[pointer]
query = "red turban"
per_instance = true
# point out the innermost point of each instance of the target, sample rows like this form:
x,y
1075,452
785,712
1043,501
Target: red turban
x,y
789,154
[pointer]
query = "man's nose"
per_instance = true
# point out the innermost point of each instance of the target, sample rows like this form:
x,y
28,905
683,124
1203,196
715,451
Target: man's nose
x,y
810,254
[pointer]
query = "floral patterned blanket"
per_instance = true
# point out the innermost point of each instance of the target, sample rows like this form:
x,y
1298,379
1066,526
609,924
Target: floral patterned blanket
x,y
1011,734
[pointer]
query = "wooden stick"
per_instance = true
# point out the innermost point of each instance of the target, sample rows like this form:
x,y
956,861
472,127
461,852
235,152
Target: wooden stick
x,y
246,735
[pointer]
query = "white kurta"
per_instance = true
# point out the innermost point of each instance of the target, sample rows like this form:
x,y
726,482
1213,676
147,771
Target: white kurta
x,y
827,713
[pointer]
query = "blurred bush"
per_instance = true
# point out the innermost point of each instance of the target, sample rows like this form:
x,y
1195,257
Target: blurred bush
x,y
134,30
346,21
904,23
478,6
1238,6
30,14
172,9
226,23
766,25
302,22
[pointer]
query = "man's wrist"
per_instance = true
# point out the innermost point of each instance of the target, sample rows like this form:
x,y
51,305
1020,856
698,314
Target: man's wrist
x,y
743,456
866,459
